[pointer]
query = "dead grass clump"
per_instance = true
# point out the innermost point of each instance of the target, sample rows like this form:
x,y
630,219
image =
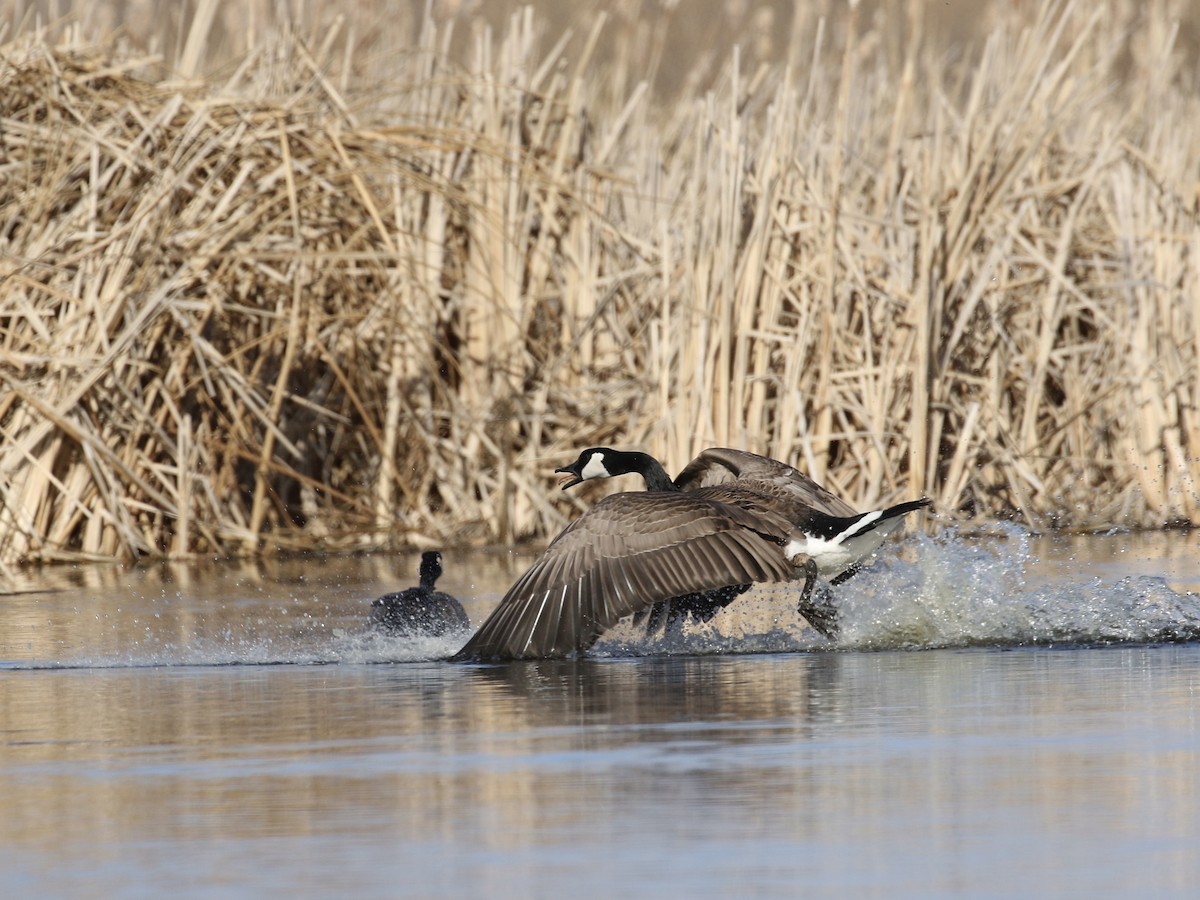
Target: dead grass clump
x,y
292,309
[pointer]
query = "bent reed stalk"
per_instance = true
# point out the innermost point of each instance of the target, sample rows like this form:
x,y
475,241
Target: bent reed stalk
x,y
295,308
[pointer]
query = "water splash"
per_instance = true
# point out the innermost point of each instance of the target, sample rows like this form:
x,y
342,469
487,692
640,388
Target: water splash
x,y
256,641
374,646
952,592
945,591
343,647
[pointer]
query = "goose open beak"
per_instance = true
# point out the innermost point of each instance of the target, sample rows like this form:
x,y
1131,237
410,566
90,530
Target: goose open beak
x,y
568,470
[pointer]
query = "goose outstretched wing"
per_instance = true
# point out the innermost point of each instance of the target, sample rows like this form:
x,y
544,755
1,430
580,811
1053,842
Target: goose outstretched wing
x,y
628,552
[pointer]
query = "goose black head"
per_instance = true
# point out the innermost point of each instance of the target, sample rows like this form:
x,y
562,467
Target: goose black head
x,y
590,464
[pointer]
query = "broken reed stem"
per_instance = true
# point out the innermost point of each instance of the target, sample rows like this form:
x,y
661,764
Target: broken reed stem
x,y
266,312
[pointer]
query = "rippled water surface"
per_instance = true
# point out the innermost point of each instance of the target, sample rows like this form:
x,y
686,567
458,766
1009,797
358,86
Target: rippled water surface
x,y
1002,716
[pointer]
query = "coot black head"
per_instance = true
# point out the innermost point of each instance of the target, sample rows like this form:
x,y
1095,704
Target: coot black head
x,y
431,568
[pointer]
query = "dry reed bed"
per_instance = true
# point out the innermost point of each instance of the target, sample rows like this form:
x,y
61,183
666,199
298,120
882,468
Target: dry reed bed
x,y
271,311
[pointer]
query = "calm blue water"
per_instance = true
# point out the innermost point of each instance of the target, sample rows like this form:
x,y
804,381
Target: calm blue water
x,y
986,729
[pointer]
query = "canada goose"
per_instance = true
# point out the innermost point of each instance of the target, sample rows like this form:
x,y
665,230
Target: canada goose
x,y
731,518
421,610
716,466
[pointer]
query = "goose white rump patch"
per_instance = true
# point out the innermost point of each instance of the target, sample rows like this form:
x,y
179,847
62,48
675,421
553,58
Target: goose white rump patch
x,y
836,554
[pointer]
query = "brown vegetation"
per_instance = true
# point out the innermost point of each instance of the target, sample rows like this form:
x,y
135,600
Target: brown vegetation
x,y
311,302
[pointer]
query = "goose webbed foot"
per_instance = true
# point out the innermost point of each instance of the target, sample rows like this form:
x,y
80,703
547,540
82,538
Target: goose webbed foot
x,y
818,610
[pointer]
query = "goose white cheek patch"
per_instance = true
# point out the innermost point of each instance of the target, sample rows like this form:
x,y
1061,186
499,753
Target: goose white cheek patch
x,y
594,468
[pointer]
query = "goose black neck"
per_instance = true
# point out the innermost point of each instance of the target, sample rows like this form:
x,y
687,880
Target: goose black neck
x,y
650,469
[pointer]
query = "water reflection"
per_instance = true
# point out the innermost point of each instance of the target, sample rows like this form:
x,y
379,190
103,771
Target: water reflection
x,y
911,772
180,752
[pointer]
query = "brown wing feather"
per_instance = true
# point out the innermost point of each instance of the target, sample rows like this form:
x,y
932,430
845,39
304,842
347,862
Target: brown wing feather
x,y
722,466
625,554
